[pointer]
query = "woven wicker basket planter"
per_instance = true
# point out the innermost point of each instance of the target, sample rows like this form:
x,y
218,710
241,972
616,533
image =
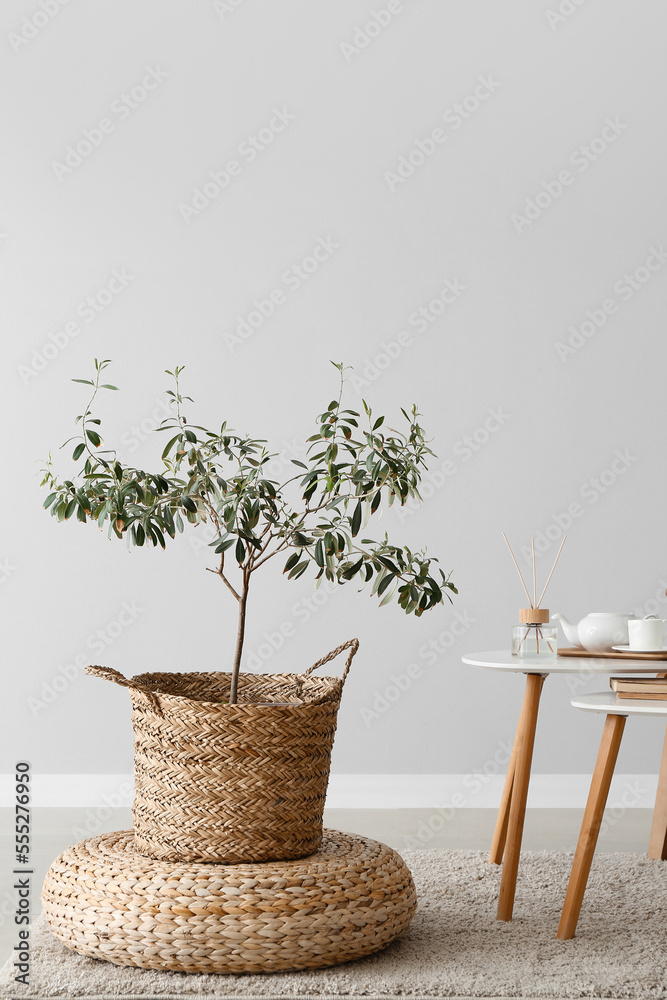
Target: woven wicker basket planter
x,y
231,783
352,897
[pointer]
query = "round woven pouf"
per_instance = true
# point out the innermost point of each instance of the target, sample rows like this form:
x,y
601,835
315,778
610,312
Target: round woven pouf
x,y
348,899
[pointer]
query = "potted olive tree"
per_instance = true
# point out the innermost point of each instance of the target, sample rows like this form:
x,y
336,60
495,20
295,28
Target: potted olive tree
x,y
221,773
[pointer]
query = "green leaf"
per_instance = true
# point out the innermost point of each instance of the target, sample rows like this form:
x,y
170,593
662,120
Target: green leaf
x,y
109,387
356,519
94,438
240,551
388,596
49,500
302,539
353,570
83,381
78,451
189,504
169,446
224,545
298,570
385,583
292,561
389,564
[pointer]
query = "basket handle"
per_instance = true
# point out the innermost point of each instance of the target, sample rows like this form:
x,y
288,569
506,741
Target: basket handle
x,y
109,674
351,644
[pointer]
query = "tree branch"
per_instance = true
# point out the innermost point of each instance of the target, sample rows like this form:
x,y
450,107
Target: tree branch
x,y
218,572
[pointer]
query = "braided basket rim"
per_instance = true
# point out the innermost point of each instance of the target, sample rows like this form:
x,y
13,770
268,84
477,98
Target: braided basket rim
x,y
310,691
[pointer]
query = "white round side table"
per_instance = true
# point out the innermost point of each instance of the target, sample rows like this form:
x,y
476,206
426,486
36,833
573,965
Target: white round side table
x,y
511,815
616,711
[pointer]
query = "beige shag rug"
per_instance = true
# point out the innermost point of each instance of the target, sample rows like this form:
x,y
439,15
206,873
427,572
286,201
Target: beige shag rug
x,y
454,948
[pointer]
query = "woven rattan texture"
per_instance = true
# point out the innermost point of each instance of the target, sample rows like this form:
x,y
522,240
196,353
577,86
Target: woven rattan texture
x,y
230,783
351,898
226,783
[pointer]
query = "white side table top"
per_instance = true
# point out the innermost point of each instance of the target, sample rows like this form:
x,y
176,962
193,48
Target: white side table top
x,y
502,659
608,702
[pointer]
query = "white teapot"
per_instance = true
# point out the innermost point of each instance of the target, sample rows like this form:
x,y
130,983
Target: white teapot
x,y
598,631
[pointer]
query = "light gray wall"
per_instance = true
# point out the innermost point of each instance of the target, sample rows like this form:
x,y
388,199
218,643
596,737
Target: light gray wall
x,y
553,81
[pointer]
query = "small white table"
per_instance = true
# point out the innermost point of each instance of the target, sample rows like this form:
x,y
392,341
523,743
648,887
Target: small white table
x,y
616,711
512,813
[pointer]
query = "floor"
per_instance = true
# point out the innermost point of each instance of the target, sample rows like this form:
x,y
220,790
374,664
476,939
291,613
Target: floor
x,y
404,829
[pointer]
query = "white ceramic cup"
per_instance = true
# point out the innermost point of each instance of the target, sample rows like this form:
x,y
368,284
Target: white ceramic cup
x,y
645,634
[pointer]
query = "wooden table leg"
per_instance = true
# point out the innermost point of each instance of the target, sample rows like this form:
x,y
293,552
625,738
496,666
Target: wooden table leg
x,y
519,793
657,845
590,827
500,832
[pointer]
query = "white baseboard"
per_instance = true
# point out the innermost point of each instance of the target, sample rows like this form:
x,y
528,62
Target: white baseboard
x,y
479,791
367,791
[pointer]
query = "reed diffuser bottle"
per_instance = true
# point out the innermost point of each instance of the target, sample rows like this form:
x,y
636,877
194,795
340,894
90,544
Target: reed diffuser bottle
x,y
534,638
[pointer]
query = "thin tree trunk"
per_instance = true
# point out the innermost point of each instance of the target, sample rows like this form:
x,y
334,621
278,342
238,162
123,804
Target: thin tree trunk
x,y
240,634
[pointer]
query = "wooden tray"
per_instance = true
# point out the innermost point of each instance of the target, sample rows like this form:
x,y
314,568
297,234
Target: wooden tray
x,y
614,655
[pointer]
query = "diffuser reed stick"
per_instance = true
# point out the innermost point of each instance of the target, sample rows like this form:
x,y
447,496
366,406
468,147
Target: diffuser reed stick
x,y
518,570
552,569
